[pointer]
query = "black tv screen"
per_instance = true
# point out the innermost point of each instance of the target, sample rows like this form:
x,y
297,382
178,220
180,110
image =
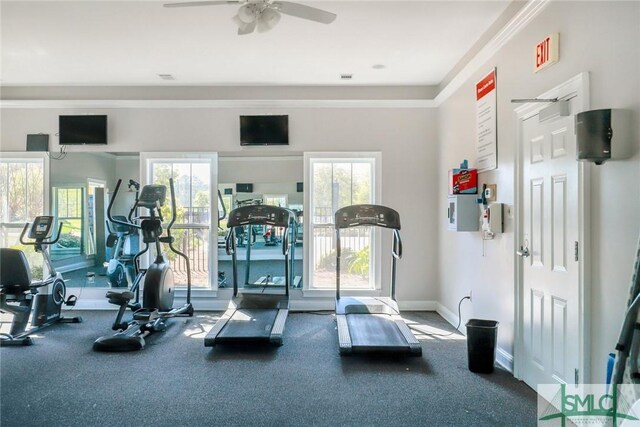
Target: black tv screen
x,y
83,130
264,130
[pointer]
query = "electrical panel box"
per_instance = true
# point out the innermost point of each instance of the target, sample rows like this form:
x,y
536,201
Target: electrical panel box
x,y
463,213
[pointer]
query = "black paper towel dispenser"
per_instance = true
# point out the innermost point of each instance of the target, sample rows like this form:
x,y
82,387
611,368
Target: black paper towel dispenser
x,y
601,135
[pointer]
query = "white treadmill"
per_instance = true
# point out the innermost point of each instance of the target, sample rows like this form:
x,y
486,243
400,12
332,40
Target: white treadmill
x,y
372,324
253,315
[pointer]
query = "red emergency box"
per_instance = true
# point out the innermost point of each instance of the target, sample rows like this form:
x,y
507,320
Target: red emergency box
x,y
463,181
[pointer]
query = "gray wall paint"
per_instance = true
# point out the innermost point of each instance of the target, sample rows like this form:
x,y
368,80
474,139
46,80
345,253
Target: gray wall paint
x,y
601,38
76,168
406,138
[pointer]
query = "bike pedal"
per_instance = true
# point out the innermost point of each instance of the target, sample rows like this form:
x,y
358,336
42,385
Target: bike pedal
x,y
71,301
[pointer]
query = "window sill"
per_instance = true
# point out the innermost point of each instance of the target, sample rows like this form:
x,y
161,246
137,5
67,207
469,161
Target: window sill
x,y
330,293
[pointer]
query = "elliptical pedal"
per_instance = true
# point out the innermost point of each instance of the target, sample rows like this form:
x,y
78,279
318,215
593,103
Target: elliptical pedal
x,y
146,315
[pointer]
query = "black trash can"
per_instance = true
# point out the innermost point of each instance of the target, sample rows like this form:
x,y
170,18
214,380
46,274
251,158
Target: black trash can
x,y
482,336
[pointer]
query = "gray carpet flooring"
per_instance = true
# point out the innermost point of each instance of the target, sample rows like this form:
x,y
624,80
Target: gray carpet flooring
x,y
176,381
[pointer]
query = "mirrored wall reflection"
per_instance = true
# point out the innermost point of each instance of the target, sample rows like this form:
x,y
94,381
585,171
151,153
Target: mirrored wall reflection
x,y
91,251
245,181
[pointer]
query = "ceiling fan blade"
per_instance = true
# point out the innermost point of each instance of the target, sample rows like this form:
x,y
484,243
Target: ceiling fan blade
x,y
305,12
201,3
246,28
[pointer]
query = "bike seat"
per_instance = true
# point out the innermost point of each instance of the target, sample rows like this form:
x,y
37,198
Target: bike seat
x,y
146,315
119,298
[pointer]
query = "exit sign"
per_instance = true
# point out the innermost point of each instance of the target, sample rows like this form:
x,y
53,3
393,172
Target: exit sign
x,y
546,52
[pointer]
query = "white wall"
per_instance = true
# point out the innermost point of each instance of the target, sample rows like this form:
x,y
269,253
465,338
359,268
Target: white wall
x,y
405,136
603,39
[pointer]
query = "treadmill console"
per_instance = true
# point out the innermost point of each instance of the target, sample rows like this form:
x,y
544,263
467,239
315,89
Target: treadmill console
x,y
376,215
152,195
41,227
260,214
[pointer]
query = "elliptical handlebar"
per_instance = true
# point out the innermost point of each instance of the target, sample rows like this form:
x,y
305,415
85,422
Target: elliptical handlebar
x,y
173,204
111,201
224,208
170,240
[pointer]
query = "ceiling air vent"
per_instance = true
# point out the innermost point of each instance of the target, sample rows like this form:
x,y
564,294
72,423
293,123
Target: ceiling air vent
x,y
166,77
346,76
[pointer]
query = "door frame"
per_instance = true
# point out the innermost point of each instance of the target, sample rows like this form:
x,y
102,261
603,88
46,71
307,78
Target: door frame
x,y
576,86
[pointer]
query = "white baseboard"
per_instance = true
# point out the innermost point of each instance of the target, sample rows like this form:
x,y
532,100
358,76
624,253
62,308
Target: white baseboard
x,y
504,359
75,266
450,317
417,305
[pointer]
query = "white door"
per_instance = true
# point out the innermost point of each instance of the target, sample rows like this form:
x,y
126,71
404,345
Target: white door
x,y
550,273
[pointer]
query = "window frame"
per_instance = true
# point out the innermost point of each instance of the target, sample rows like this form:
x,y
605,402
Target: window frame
x,y
276,196
29,157
147,159
310,158
55,249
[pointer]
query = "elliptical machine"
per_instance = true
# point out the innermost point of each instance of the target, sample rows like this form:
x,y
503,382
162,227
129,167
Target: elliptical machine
x,y
16,286
159,290
120,263
119,267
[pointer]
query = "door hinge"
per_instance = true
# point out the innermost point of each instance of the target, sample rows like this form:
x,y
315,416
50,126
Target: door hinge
x,y
575,251
577,375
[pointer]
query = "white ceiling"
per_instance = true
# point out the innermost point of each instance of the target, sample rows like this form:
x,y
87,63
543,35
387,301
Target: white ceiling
x,y
130,43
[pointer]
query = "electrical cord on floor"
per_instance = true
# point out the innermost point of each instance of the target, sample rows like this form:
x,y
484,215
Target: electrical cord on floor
x,y
450,333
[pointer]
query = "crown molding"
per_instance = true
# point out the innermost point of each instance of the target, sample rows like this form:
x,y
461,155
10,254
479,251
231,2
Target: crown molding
x,y
226,103
508,32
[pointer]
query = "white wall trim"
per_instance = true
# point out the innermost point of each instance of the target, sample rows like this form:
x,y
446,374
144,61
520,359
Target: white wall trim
x,y
450,317
219,103
75,266
417,305
508,32
504,359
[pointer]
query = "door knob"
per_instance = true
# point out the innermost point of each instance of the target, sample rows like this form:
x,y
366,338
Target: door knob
x,y
523,252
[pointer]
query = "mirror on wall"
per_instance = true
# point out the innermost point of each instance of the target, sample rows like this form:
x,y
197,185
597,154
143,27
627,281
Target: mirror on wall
x,y
91,251
275,181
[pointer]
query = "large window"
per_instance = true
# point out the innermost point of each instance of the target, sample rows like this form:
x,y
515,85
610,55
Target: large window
x,y
21,195
192,229
338,181
23,184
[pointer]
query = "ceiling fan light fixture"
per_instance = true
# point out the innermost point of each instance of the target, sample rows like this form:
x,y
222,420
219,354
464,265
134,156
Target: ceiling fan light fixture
x,y
247,13
268,19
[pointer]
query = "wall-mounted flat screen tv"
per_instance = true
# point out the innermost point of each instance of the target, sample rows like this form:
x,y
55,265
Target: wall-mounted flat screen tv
x,y
82,130
264,130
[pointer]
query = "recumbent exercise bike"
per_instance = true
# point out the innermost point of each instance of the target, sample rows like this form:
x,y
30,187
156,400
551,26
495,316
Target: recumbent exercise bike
x,y
159,288
18,288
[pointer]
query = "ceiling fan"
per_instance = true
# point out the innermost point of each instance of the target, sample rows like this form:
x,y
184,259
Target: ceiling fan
x,y
263,15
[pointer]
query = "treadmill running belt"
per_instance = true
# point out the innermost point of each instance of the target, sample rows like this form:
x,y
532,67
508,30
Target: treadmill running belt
x,y
375,331
248,324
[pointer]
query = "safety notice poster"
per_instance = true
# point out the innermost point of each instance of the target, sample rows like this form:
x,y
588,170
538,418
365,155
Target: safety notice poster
x,y
486,107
